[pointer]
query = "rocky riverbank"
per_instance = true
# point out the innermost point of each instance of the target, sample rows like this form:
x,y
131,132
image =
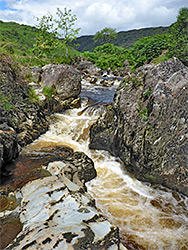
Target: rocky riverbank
x,y
44,201
146,126
58,213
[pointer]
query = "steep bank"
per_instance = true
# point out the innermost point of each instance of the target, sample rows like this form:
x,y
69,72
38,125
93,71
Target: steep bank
x,y
21,120
147,125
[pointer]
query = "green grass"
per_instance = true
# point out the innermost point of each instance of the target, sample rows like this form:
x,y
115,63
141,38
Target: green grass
x,y
18,40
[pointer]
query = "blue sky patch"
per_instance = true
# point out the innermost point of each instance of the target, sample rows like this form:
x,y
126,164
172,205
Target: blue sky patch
x,y
3,5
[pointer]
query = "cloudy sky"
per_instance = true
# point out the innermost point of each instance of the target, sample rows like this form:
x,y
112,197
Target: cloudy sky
x,y
94,15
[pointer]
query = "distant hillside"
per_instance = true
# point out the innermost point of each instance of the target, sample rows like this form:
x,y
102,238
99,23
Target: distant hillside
x,y
22,37
19,37
124,38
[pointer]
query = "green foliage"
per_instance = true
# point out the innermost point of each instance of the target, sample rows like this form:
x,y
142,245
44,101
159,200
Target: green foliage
x,y
147,48
49,92
105,35
18,40
107,56
20,37
110,107
124,39
147,93
33,98
143,51
5,101
65,23
144,113
49,31
46,39
178,43
161,58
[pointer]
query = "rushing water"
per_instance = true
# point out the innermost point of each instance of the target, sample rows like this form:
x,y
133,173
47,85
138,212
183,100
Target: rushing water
x,y
151,217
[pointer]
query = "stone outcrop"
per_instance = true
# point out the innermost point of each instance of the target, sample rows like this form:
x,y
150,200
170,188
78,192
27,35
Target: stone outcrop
x,y
147,125
20,120
66,80
58,213
19,110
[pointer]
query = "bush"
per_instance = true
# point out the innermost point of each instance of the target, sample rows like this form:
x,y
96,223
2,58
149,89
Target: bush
x,y
107,56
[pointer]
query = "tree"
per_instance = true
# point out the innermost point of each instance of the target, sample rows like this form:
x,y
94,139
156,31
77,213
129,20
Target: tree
x,y
178,43
51,29
65,23
46,37
105,35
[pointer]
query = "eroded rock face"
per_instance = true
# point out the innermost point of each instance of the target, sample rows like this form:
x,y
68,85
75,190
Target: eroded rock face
x,y
147,126
66,79
20,121
57,212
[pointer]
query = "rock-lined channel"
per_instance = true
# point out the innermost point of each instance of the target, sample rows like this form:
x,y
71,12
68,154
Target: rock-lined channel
x,y
149,217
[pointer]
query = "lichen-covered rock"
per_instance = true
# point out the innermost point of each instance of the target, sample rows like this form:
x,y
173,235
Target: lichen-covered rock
x,y
66,80
148,125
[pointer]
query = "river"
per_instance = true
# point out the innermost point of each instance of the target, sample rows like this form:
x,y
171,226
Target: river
x,y
149,217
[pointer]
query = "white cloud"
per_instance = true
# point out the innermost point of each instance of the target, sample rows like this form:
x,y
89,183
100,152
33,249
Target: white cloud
x,y
95,15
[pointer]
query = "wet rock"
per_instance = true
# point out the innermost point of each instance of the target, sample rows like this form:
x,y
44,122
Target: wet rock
x,y
147,125
9,147
56,104
66,80
88,68
9,228
76,166
58,214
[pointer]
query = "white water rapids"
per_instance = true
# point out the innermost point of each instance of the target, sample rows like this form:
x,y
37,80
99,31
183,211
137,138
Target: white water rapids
x,y
151,217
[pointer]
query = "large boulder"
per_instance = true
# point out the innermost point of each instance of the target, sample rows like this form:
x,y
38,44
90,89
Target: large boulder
x,y
147,125
65,78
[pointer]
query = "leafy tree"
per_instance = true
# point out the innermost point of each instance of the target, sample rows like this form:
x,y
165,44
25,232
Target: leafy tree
x,y
51,29
65,26
46,38
178,43
105,35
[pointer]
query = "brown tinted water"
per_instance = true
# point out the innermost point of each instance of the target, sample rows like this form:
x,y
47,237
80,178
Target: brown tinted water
x,y
149,217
